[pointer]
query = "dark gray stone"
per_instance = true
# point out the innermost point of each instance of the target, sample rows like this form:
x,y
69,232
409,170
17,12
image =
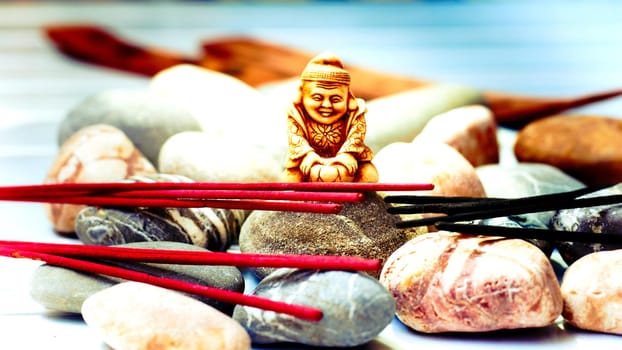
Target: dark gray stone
x,y
606,220
211,228
63,289
356,308
146,119
360,229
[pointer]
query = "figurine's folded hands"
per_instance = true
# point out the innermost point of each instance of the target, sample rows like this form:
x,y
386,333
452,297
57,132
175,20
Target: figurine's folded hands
x,y
309,160
347,160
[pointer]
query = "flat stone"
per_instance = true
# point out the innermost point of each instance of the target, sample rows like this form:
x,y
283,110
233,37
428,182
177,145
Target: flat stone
x,y
446,282
140,316
147,119
592,292
524,180
208,158
604,219
356,308
96,153
471,130
360,229
212,228
588,148
402,116
65,290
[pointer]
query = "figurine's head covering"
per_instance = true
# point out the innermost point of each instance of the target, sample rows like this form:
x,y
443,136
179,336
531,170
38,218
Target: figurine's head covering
x,y
326,67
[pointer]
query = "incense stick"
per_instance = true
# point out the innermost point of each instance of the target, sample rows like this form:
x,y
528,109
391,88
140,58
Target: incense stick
x,y
531,233
508,210
300,311
317,262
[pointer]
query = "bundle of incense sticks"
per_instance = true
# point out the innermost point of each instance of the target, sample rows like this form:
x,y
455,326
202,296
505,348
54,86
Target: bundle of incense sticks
x,y
279,196
84,258
457,213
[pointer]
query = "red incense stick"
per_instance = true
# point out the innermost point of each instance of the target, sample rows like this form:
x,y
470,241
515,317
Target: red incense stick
x,y
267,186
300,311
320,262
244,204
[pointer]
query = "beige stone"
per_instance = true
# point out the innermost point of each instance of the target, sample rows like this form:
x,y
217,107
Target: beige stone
x,y
447,282
471,130
429,162
592,292
97,153
138,316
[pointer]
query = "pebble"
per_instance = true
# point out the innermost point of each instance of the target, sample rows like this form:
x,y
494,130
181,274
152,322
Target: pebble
x,y
605,219
211,228
97,153
524,180
592,292
208,158
400,117
425,161
360,229
226,107
445,282
140,316
586,147
471,130
356,308
65,290
144,117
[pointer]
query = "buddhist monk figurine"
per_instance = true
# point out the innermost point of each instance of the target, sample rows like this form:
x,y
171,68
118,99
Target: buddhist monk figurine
x,y
326,128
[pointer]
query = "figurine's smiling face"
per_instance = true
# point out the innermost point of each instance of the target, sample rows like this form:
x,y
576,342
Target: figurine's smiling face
x,y
325,102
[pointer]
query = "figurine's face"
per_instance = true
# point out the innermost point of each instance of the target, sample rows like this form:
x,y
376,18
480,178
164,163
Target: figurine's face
x,y
325,102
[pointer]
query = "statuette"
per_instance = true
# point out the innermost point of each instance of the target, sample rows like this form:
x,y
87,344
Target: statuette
x,y
326,128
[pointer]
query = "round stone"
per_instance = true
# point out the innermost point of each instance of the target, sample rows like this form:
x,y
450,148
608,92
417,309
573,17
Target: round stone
x,y
147,119
604,219
207,158
525,180
65,290
140,316
356,308
96,153
212,228
592,292
360,229
588,148
446,282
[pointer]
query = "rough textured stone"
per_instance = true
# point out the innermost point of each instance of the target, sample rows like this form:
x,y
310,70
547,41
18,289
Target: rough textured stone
x,y
97,153
592,292
360,229
139,316
588,148
356,308
208,158
471,130
445,282
400,117
211,228
605,219
65,290
146,119
524,180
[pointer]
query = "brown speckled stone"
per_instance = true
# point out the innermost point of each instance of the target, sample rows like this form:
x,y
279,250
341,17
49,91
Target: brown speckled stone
x,y
361,229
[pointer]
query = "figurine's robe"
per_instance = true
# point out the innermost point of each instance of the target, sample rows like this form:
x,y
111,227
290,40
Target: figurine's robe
x,y
346,135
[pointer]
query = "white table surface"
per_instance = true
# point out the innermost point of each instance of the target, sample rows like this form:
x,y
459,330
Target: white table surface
x,y
523,47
